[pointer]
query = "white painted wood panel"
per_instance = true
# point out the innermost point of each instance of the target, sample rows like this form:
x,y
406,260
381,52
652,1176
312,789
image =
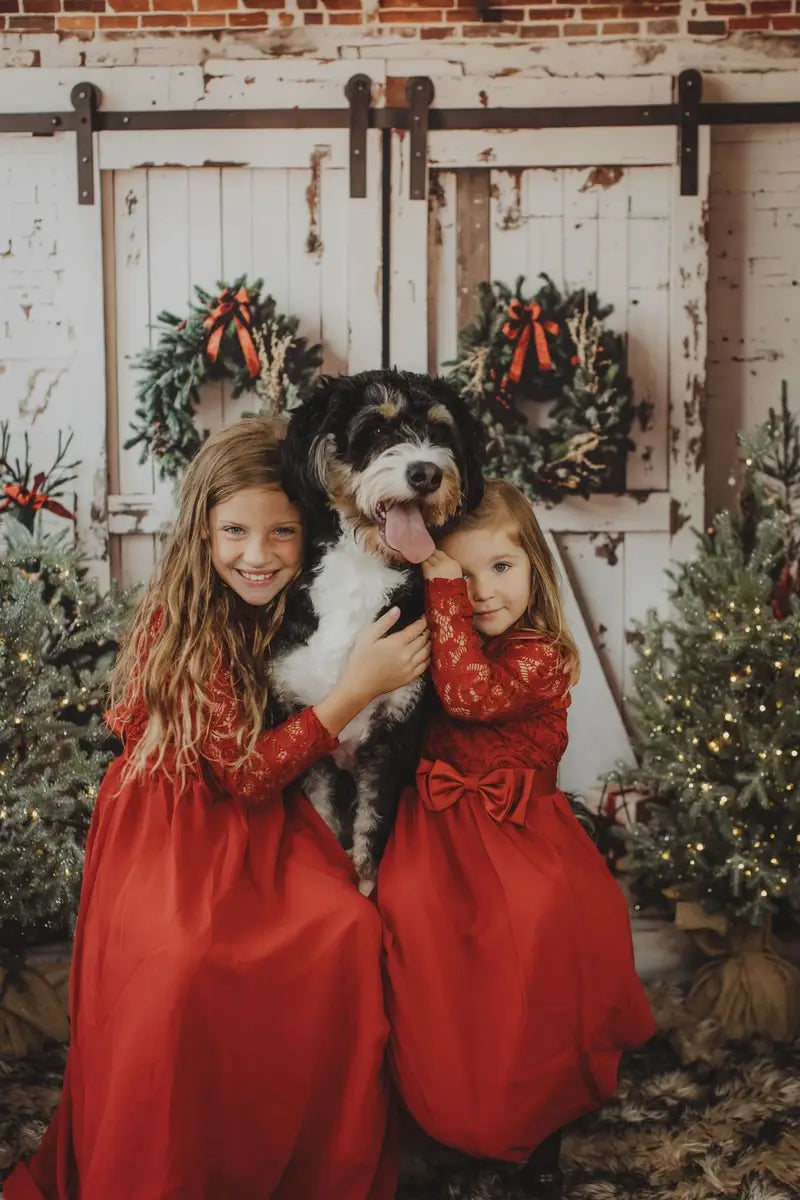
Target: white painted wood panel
x,y
408,309
293,225
546,147
442,279
619,227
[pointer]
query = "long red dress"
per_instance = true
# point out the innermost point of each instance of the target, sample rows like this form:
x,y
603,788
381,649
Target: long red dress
x,y
511,983
228,1029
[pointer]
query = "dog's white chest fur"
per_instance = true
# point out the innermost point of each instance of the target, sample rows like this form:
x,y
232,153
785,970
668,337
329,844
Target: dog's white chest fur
x,y
347,593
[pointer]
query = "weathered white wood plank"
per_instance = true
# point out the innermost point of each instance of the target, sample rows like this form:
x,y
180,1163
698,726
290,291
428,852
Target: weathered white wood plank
x,y
225,148
688,334
651,192
132,293
305,249
644,512
580,233
137,558
543,198
85,319
237,222
612,269
408,311
648,365
277,82
337,244
597,735
612,184
362,219
270,247
442,251
549,147
649,261
510,227
595,568
237,219
205,268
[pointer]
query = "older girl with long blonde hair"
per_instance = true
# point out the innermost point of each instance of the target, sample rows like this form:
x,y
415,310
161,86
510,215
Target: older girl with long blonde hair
x,y
512,989
227,1019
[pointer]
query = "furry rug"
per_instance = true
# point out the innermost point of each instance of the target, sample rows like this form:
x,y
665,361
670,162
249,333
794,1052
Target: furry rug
x,y
696,1118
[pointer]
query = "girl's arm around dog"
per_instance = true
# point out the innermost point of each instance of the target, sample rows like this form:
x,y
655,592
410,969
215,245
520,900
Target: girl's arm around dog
x,y
521,673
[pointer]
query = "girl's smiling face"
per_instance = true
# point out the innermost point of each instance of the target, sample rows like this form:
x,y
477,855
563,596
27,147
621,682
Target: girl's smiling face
x,y
497,572
256,542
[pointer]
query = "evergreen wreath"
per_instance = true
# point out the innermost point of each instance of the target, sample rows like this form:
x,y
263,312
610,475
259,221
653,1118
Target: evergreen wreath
x,y
238,335
549,347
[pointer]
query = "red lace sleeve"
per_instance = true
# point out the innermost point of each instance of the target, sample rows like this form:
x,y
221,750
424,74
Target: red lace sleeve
x,y
523,675
280,755
128,720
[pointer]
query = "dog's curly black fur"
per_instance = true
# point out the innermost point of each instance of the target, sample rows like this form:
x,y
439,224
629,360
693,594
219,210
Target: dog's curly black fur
x,y
357,448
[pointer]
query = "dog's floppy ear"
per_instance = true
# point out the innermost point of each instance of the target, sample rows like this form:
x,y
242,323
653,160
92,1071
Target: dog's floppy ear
x,y
299,452
473,438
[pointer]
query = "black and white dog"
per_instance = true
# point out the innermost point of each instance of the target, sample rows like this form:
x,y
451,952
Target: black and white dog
x,y
375,461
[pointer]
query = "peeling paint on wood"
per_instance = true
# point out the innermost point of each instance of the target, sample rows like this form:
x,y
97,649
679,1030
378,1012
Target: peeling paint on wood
x,y
677,517
437,200
608,547
508,216
314,239
602,177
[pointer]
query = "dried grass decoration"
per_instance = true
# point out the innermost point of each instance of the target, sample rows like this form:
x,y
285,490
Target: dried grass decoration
x,y
555,348
34,1005
747,986
237,335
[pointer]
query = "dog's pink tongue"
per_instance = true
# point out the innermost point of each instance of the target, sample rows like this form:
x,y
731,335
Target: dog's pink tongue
x,y
406,532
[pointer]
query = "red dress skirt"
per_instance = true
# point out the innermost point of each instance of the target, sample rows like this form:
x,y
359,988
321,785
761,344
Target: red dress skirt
x,y
511,983
228,1024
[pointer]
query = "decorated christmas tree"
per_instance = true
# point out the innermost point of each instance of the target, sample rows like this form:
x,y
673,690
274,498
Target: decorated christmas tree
x,y
716,701
57,639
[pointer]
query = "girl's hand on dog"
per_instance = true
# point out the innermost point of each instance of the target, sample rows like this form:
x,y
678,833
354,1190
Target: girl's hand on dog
x,y
441,566
381,661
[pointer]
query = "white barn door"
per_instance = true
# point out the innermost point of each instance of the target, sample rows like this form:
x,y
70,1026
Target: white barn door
x,y
599,209
279,209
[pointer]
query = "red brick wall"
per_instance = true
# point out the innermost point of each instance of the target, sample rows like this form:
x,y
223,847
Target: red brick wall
x,y
425,19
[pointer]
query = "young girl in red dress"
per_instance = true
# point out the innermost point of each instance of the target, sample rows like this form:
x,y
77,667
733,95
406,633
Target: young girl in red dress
x,y
511,983
228,1027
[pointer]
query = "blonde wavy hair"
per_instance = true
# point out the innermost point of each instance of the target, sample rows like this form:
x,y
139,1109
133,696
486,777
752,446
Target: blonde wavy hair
x,y
189,620
505,506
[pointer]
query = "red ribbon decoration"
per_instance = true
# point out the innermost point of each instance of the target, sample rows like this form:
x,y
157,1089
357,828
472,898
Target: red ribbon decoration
x,y
24,497
504,793
237,307
786,585
521,324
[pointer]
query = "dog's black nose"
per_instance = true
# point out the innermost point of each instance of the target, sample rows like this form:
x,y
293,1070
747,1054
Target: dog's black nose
x,y
424,476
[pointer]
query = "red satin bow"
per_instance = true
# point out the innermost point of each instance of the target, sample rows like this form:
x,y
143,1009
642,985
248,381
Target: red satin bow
x,y
504,793
236,306
521,324
24,497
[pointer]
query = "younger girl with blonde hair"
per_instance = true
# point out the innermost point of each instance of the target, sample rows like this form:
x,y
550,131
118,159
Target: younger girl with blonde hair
x,y
512,988
227,1020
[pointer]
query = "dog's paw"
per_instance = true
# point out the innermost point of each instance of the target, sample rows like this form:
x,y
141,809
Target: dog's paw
x,y
366,886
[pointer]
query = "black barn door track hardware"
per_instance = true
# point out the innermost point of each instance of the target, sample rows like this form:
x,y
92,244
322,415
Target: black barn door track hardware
x,y
419,116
